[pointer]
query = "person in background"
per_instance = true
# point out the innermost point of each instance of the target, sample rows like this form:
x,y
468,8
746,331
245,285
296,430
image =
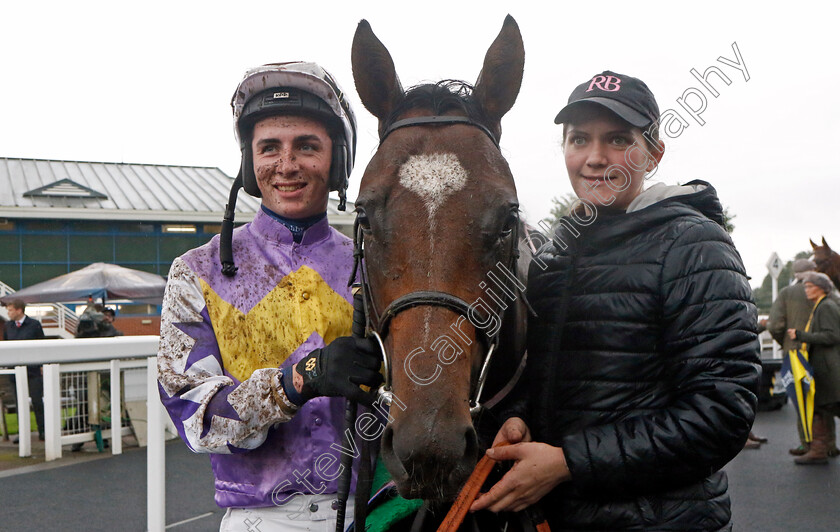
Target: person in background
x,y
95,322
791,310
22,327
108,328
823,345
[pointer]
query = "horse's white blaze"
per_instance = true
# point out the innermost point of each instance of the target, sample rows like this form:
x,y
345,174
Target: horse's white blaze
x,y
433,177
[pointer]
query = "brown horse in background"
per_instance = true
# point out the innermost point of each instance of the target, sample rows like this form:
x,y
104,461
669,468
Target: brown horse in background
x,y
828,261
438,214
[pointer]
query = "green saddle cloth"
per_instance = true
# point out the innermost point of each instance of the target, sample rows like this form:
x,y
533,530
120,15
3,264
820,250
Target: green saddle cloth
x,y
392,511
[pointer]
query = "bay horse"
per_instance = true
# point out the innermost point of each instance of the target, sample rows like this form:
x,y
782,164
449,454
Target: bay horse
x,y
828,261
437,213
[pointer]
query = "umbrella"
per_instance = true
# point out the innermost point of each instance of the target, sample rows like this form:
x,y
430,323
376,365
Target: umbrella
x,y
99,280
798,379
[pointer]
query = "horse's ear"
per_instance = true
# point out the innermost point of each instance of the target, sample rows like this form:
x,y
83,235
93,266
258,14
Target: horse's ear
x,y
827,247
812,243
501,76
374,74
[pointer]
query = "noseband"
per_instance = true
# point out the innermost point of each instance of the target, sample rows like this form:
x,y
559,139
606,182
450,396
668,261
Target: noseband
x,y
377,324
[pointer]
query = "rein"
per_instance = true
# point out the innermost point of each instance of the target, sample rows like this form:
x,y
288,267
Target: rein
x,y
470,492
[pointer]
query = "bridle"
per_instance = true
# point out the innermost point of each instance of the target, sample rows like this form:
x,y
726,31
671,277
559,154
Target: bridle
x,y
438,120
378,323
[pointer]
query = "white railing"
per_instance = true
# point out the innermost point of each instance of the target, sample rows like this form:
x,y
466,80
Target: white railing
x,y
58,356
22,398
60,320
5,289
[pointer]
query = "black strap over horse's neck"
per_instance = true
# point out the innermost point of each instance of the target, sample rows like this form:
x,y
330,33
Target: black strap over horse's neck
x,y
438,120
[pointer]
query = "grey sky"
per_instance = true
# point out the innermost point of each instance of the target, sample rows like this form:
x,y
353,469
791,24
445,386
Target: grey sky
x,y
151,82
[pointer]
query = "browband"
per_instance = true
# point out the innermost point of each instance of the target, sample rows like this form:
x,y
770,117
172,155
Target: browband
x,y
436,120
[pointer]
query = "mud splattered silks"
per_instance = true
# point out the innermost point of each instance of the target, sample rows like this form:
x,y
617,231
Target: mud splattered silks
x,y
224,342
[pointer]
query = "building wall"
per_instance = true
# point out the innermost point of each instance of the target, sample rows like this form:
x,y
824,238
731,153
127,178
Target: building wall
x,y
138,325
32,251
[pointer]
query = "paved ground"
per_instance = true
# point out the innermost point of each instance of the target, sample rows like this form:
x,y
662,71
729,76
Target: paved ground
x,y
92,492
12,464
101,492
770,493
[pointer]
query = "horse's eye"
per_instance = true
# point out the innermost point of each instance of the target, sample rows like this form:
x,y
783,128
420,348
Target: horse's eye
x,y
510,225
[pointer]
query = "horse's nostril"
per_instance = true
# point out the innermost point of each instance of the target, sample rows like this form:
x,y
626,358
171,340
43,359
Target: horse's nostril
x,y
471,449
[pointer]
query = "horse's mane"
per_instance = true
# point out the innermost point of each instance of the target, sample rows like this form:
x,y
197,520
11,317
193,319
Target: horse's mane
x,y
442,97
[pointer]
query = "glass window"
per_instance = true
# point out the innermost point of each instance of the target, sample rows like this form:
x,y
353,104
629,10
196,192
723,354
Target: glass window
x,y
89,248
35,273
136,248
9,248
140,309
45,248
178,228
150,268
10,274
136,228
48,225
90,227
174,246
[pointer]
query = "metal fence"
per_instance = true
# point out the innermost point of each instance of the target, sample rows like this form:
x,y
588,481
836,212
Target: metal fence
x,y
74,402
86,396
84,401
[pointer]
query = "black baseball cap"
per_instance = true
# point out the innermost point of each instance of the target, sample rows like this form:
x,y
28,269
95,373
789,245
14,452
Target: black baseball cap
x,y
626,96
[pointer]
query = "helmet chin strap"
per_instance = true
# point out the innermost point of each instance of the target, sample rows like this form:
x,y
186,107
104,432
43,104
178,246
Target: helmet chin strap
x,y
339,173
226,237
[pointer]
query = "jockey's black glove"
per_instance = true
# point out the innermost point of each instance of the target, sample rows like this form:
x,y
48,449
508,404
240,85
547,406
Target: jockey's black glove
x,y
340,368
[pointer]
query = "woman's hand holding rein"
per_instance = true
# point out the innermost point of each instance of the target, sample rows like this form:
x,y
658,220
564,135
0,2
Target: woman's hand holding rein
x,y
539,467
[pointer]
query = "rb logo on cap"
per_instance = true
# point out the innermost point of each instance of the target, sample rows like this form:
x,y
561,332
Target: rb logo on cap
x,y
605,83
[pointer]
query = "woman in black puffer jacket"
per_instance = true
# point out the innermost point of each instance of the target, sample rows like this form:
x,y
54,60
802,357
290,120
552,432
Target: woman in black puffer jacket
x,y
643,362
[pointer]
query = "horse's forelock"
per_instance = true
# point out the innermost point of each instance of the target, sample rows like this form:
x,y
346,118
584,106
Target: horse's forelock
x,y
440,98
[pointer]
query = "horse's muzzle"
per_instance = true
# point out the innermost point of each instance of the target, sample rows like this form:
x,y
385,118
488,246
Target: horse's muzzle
x,y
433,465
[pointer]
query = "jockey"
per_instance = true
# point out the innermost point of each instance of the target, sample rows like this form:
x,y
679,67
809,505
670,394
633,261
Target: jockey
x,y
253,359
